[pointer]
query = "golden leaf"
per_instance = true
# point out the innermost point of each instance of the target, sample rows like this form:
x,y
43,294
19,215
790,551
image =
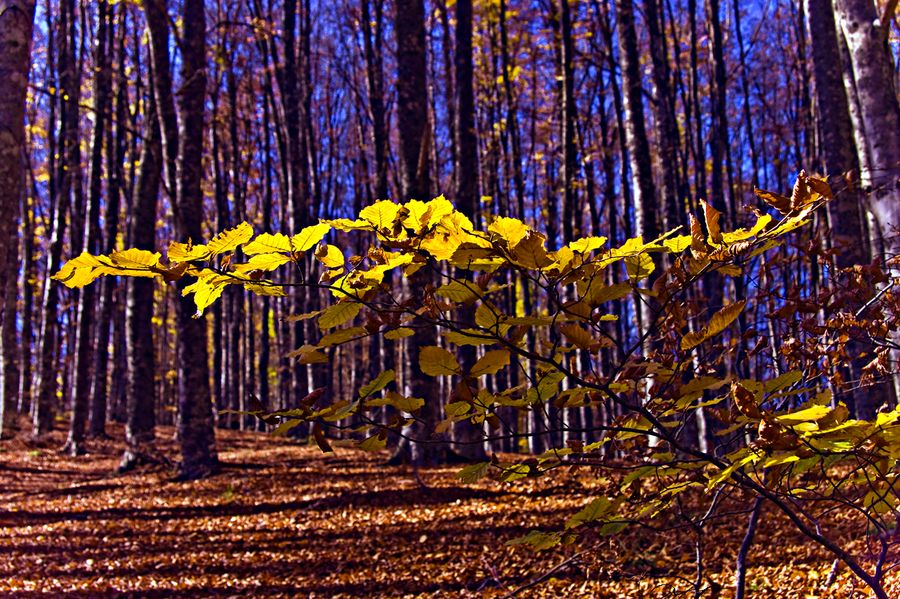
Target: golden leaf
x,y
437,361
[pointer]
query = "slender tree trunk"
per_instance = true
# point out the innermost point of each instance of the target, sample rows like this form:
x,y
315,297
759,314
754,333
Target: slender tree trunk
x,y
571,215
645,213
141,390
666,127
372,44
115,158
84,350
466,171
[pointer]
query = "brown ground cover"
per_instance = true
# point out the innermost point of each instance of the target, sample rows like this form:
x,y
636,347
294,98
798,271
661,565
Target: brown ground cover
x,y
284,520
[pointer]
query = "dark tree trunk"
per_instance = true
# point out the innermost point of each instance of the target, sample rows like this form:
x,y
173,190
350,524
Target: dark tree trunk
x,y
372,44
84,350
140,399
16,22
571,221
415,182
195,422
666,127
115,158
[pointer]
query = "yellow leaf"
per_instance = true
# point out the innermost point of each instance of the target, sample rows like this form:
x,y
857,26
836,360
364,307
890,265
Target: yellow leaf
x,y
475,338
777,201
341,336
487,316
743,234
724,317
639,267
309,236
711,215
381,214
269,290
345,224
693,339
373,443
511,230
811,413
678,244
491,362
598,294
399,333
459,291
531,253
437,361
268,243
576,335
187,252
262,262
80,271
135,259
588,244
718,323
329,255
205,293
230,239
337,314
377,384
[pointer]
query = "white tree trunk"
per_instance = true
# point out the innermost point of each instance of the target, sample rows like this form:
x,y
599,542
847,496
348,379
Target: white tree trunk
x,y
878,119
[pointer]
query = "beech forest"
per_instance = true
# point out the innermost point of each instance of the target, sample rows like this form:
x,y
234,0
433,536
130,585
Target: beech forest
x,y
450,298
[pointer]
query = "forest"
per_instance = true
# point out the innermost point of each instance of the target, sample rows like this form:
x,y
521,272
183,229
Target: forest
x,y
463,298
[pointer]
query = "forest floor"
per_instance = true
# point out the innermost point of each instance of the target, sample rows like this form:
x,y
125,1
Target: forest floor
x,y
282,519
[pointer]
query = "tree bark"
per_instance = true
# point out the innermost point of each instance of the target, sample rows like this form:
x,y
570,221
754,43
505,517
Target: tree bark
x,y
115,158
836,146
414,127
666,127
879,116
84,343
16,23
571,215
140,391
644,190
195,423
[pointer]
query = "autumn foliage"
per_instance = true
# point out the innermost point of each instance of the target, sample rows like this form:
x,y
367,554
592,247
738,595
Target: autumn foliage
x,y
783,439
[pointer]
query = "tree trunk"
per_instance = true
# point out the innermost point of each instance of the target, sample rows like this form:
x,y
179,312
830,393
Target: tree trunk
x,y
141,390
415,182
84,350
871,65
115,158
372,44
16,22
666,127
835,131
571,215
195,423
470,436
